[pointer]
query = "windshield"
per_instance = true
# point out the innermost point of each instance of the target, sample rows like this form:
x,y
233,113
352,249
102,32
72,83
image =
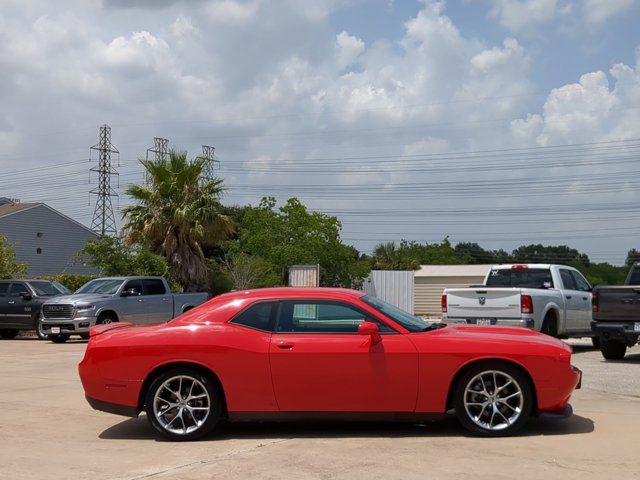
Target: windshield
x,y
101,285
44,289
408,321
62,288
521,278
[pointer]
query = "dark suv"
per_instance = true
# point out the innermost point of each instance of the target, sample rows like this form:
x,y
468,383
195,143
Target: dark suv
x,y
21,303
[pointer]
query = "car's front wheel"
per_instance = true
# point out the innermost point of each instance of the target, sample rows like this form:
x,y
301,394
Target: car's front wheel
x,y
42,335
493,399
59,338
613,350
183,404
8,333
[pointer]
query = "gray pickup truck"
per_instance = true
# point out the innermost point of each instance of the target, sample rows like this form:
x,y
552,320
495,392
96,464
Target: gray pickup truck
x,y
616,315
105,300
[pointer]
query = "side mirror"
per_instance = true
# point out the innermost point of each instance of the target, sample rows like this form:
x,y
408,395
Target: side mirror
x,y
132,292
371,329
27,296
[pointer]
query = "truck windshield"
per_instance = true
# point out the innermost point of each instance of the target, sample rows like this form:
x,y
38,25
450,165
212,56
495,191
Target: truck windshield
x,y
104,286
520,278
45,289
408,321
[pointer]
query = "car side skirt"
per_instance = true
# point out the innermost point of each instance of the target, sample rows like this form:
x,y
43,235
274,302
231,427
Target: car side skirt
x,y
333,416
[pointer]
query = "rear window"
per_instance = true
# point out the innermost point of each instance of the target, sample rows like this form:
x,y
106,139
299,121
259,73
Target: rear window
x,y
520,278
634,278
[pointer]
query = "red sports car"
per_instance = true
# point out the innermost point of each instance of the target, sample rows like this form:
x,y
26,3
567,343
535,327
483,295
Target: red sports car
x,y
310,353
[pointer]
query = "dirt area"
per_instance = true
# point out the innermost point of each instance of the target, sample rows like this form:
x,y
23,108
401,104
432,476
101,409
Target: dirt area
x,y
48,431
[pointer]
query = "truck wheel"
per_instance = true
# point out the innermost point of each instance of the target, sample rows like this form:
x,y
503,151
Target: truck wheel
x,y
596,342
613,350
39,330
183,404
106,318
550,325
58,338
493,399
84,336
8,333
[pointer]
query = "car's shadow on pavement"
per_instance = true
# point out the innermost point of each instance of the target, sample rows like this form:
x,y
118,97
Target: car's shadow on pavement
x,y
448,426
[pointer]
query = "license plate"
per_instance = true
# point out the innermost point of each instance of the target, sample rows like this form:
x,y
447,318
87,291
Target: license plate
x,y
636,327
483,321
55,330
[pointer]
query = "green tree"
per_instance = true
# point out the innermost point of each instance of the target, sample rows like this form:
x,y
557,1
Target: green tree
x,y
178,215
633,256
246,271
292,235
113,257
409,255
562,254
387,256
479,255
9,267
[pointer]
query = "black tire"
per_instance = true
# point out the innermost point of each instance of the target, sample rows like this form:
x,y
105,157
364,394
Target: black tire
x,y
106,318
84,336
613,350
550,325
38,327
215,404
595,341
504,371
61,338
8,333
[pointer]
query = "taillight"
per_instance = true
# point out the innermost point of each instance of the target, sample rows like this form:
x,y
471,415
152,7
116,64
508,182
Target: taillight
x,y
443,301
595,302
526,304
519,267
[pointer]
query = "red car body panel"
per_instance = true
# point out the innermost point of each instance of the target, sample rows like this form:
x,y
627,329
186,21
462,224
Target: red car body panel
x,y
316,372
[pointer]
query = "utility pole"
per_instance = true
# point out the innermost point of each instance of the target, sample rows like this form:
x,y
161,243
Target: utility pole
x,y
160,150
104,222
210,163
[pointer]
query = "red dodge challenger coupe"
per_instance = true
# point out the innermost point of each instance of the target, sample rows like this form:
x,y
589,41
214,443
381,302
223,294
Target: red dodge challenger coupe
x,y
318,352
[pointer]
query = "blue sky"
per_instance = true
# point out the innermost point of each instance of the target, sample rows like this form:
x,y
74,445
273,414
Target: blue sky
x,y
360,108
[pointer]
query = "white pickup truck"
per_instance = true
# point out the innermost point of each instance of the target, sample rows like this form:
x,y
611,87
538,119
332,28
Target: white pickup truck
x,y
553,299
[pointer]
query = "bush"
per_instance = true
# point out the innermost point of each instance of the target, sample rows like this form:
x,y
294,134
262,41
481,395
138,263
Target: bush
x,y
71,281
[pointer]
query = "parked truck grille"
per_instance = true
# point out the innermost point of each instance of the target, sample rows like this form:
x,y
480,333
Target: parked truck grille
x,y
57,311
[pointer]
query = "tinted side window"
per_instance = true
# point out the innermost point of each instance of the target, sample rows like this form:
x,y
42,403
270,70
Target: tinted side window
x,y
257,316
322,317
4,288
18,289
135,285
153,286
567,280
581,282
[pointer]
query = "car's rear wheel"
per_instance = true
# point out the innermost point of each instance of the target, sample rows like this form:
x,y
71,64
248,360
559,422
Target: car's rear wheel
x,y
8,333
61,338
595,341
183,404
613,350
550,325
493,399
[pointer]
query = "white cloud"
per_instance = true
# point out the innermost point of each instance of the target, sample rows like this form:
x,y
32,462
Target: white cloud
x,y
518,15
349,49
600,10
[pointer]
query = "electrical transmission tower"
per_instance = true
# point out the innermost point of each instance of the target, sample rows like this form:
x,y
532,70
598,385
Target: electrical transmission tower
x,y
160,150
210,164
104,221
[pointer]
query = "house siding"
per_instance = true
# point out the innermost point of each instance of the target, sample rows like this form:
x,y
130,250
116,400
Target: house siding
x,y
60,240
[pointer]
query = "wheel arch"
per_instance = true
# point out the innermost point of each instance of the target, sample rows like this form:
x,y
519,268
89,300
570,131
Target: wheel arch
x,y
158,370
479,361
108,311
554,310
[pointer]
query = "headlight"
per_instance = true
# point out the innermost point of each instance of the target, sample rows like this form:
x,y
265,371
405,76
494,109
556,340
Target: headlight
x,y
85,307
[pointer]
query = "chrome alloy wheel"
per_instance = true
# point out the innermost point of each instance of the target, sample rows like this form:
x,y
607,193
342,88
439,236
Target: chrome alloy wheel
x,y
181,405
493,400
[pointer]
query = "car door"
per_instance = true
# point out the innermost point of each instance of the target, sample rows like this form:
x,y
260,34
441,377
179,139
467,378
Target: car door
x,y
158,301
584,289
572,300
320,363
4,299
19,309
134,308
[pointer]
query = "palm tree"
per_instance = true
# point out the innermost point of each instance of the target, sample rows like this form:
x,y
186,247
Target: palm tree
x,y
177,214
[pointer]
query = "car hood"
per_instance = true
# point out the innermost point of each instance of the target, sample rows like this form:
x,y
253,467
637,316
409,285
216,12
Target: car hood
x,y
506,336
78,298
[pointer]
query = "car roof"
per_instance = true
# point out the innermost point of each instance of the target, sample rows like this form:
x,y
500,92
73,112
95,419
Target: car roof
x,y
293,292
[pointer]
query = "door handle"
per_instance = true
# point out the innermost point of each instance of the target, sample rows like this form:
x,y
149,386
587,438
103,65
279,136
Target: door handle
x,y
568,297
11,302
140,300
284,345
165,299
585,298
